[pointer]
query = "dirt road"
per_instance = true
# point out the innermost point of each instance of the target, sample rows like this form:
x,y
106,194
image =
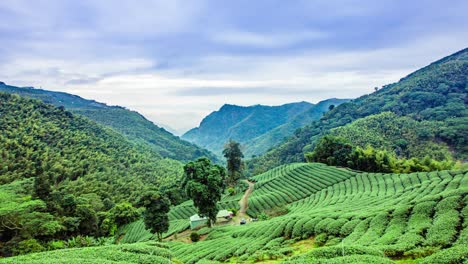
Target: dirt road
x,y
244,202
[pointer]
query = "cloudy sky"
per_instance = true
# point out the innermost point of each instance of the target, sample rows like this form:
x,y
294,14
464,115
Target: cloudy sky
x,y
175,61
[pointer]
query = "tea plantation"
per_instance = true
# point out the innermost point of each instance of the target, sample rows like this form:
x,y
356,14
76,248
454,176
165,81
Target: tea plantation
x,y
150,252
352,217
346,216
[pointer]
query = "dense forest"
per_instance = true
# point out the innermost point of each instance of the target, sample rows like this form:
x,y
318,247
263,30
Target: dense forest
x,y
129,123
64,175
434,96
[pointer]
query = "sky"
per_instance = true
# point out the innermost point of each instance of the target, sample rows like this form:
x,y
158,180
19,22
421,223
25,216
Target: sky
x,y
175,61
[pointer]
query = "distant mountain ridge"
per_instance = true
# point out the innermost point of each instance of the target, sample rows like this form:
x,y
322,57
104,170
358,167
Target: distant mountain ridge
x,y
435,97
131,124
257,127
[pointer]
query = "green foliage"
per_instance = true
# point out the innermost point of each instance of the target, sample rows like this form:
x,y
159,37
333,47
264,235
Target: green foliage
x,y
124,213
204,184
135,253
233,154
321,239
194,237
131,124
231,191
369,216
454,255
333,151
402,135
28,246
337,151
62,173
155,215
436,94
233,210
285,184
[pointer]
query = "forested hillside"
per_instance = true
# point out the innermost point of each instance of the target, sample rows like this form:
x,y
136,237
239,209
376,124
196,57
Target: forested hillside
x,y
434,97
257,127
130,123
403,135
64,175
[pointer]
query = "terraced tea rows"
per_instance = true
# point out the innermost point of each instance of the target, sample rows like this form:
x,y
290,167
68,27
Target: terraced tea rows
x,y
290,183
392,215
178,220
129,253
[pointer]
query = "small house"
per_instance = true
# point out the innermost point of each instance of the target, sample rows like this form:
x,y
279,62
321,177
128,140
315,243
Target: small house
x,y
196,221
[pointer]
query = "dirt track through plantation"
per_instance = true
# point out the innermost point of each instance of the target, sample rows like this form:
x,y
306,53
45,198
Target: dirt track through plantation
x,y
244,202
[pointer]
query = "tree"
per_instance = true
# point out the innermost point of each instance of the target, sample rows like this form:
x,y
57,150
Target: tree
x,y
233,154
155,216
331,150
42,187
204,184
331,107
124,213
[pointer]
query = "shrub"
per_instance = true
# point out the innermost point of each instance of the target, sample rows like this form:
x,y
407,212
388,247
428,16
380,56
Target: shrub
x,y
56,244
321,239
194,237
233,210
454,255
28,246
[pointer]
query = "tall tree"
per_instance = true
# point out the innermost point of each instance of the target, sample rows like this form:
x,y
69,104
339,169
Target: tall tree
x,y
233,154
155,215
331,150
204,184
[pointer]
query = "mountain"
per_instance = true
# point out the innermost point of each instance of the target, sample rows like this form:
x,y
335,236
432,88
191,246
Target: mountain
x,y
263,143
434,97
62,174
257,127
130,123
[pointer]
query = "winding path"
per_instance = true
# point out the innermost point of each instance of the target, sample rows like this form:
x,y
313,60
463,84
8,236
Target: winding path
x,y
244,202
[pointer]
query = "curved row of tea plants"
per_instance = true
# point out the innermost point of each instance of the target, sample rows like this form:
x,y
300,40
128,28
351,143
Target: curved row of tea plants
x,y
290,183
150,252
398,215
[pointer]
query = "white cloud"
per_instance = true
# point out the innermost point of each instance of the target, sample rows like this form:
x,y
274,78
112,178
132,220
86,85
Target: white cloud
x,y
181,100
272,40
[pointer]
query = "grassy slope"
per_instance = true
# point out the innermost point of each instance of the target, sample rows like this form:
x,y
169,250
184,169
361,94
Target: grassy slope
x,y
129,123
373,215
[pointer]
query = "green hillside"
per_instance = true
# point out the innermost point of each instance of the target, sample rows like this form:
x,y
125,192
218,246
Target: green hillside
x,y
62,174
130,123
434,96
401,134
367,217
333,215
128,253
257,127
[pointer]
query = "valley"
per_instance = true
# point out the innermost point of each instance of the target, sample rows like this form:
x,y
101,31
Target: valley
x,y
381,178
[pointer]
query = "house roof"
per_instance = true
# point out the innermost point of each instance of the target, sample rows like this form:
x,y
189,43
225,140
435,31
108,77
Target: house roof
x,y
196,217
221,213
